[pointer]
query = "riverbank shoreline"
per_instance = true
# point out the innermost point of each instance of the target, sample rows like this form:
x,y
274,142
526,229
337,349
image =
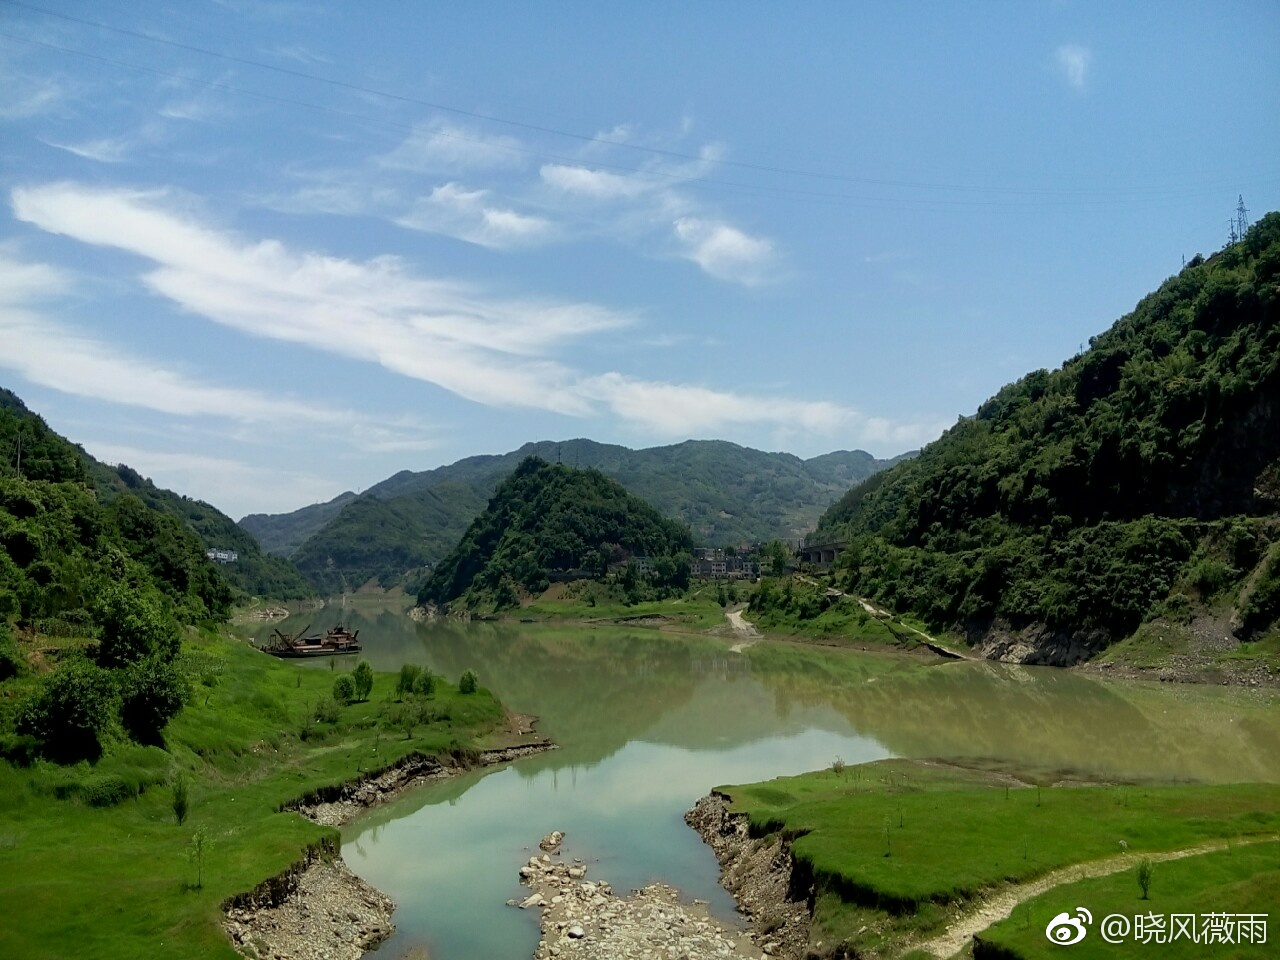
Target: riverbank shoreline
x,y
1189,670
758,873
318,909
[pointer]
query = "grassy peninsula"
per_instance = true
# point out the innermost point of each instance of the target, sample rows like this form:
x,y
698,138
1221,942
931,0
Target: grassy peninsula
x,y
897,851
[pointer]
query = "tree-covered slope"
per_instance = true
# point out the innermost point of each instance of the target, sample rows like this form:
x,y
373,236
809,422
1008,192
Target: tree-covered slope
x,y
254,573
170,531
281,534
371,538
725,492
1140,478
60,544
547,518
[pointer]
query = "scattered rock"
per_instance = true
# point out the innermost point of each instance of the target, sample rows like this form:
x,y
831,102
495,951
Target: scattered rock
x,y
318,909
551,842
583,920
330,914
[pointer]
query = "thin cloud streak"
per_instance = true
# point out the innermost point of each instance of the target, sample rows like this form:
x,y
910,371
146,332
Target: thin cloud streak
x,y
492,351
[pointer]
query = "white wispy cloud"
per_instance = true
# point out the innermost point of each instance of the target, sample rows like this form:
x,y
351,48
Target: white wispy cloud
x,y
55,356
469,215
26,99
653,207
1073,61
444,146
724,251
494,351
672,409
482,348
103,150
602,185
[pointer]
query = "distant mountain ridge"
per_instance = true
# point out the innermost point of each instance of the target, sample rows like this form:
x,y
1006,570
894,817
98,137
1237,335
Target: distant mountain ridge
x,y
726,493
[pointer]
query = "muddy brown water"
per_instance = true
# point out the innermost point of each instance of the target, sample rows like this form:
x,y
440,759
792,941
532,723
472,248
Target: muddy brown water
x,y
650,721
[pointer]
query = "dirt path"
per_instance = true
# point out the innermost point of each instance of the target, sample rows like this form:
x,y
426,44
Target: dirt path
x,y
1000,905
746,633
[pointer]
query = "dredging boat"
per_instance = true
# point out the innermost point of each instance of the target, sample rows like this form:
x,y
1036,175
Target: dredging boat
x,y
334,641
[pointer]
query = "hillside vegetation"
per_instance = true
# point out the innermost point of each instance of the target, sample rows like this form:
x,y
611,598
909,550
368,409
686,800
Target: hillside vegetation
x,y
1139,480
550,518
147,516
724,492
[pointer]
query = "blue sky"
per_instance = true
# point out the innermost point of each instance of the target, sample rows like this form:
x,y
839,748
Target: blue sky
x,y
265,251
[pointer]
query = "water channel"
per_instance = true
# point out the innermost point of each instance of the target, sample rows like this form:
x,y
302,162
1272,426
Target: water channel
x,y
650,721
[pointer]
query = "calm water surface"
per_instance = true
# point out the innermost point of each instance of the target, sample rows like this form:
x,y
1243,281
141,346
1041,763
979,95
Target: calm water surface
x,y
649,722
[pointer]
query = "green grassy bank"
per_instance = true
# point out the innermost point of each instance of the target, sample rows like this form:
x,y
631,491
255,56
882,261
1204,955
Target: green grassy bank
x,y
892,848
93,862
586,601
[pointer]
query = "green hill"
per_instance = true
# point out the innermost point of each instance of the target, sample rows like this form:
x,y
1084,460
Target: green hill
x,y
546,519
726,493
169,531
1140,480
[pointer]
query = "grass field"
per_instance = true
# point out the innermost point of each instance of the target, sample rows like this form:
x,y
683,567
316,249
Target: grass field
x,y
587,601
1243,880
892,846
116,880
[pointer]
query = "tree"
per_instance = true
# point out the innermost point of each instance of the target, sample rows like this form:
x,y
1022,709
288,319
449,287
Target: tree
x,y
424,685
180,799
69,711
362,680
151,694
134,627
344,689
778,556
409,674
1145,870
199,846
468,682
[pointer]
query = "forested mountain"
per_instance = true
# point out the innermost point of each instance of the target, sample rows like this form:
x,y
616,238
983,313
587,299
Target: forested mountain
x,y
726,493
1142,478
547,518
168,531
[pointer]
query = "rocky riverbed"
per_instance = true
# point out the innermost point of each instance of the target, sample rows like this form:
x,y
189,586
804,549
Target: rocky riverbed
x,y
331,914
582,919
758,873
318,909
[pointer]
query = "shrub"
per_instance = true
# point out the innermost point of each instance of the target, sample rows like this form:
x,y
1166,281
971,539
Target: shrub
x,y
362,680
152,694
327,709
425,683
134,627
12,662
468,682
1144,877
106,790
69,711
19,749
409,673
344,689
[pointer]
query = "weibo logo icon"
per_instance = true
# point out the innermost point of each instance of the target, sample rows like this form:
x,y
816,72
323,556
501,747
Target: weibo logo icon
x,y
1065,929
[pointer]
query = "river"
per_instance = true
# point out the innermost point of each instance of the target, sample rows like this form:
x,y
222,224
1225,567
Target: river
x,y
649,721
